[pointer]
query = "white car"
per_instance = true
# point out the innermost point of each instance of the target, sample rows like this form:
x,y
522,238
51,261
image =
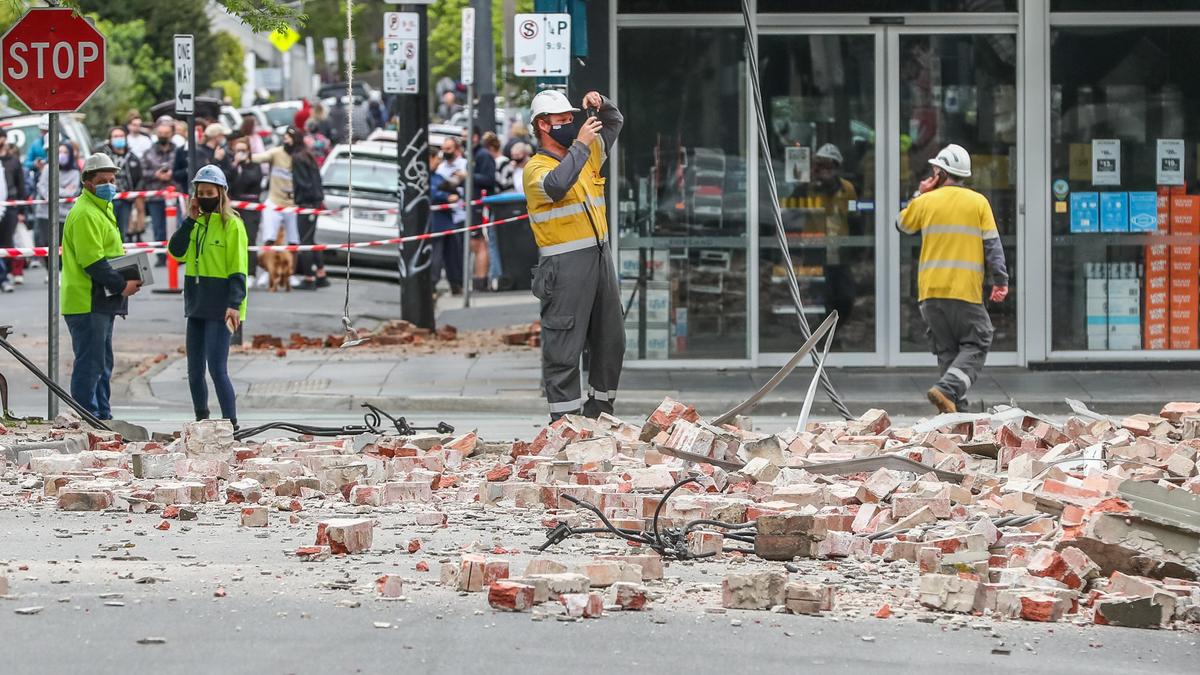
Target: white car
x,y
436,134
273,118
22,131
375,192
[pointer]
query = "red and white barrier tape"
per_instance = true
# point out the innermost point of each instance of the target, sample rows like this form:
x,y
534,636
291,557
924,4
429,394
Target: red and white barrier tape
x,y
131,194
160,247
243,205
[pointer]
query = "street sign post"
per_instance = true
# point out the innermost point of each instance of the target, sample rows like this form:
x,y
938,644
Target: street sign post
x,y
542,45
468,78
412,178
401,52
53,60
185,75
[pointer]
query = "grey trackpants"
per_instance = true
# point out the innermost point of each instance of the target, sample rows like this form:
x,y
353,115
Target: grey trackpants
x,y
960,334
581,304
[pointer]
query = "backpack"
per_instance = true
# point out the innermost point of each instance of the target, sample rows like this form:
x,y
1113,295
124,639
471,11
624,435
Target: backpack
x,y
306,183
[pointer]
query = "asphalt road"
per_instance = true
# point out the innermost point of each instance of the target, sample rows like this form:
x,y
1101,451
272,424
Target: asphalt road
x,y
285,616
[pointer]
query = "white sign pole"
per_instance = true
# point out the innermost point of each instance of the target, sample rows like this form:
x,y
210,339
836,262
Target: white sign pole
x,y
468,78
185,75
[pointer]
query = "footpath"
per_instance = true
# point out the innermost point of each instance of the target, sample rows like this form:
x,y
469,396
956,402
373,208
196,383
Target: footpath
x,y
330,380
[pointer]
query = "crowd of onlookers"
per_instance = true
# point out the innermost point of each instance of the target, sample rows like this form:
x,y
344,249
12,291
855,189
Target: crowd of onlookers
x,y
262,167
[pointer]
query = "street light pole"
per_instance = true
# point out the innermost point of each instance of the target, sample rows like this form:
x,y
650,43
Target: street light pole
x,y
412,176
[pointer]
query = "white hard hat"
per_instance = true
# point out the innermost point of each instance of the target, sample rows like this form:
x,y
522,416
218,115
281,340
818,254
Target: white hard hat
x,y
831,152
99,162
954,159
550,102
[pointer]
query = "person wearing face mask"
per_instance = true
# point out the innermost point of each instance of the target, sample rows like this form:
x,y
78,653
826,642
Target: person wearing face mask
x,y
14,188
212,244
445,252
280,191
129,174
68,186
575,277
245,185
93,293
156,175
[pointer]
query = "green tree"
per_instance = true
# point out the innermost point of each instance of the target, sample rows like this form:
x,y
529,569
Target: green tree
x,y
135,73
445,37
261,15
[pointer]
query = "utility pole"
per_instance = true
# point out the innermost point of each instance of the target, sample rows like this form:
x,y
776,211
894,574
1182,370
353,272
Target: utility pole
x,y
412,176
485,66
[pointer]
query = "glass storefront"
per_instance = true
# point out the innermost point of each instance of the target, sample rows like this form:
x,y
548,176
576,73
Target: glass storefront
x,y
957,88
1088,162
1125,129
682,243
819,102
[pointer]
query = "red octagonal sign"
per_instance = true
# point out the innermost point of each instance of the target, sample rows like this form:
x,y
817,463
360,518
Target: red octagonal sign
x,y
52,60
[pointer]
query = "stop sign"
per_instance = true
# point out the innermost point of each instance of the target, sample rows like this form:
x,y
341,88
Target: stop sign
x,y
52,60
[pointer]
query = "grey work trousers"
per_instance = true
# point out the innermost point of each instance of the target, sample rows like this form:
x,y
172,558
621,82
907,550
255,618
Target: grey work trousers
x,y
960,334
581,305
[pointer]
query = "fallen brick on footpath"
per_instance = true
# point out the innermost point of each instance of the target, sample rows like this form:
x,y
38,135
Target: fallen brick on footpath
x,y
1002,516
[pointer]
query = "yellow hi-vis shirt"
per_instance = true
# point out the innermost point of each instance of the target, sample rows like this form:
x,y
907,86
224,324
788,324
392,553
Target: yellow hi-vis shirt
x,y
564,225
953,221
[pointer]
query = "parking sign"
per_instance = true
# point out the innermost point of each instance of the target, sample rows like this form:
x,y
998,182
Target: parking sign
x,y
542,47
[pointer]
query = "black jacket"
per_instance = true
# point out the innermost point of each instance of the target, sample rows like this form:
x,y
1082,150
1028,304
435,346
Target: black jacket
x,y
245,182
14,176
204,156
129,176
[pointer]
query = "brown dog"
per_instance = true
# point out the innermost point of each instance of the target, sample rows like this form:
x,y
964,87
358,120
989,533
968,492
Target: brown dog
x,y
278,264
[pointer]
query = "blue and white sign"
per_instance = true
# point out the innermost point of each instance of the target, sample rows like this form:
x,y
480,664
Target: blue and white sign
x,y
1143,211
1114,212
1085,212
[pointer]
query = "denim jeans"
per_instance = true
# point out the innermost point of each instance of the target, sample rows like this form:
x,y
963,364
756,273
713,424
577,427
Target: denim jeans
x,y
122,208
91,341
156,210
208,345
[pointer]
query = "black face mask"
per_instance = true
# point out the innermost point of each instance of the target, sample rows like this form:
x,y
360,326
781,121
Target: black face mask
x,y
449,156
208,204
564,134
164,141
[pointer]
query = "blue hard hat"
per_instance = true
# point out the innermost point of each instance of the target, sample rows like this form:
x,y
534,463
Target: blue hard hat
x,y
211,173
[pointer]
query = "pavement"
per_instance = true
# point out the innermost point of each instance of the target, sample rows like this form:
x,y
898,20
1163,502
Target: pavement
x,y
505,381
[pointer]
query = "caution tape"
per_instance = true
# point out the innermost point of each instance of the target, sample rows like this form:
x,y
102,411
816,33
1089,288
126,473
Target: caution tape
x,y
129,194
160,247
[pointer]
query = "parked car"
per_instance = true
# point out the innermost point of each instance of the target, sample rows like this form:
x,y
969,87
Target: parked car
x,y
230,117
375,191
273,119
459,119
437,134
338,89
22,130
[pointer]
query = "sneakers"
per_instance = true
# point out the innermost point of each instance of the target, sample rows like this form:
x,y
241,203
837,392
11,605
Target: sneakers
x,y
6,286
18,279
941,401
262,279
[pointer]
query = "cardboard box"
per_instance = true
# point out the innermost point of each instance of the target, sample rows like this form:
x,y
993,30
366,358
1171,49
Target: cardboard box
x,y
1185,214
1164,208
657,341
1143,211
1114,211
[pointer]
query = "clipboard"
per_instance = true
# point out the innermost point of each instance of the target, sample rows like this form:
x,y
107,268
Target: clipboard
x,y
134,267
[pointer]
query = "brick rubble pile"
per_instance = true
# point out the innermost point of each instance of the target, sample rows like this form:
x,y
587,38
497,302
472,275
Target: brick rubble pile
x,y
1004,516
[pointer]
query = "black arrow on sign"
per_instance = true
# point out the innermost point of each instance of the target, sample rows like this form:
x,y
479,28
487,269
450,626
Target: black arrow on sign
x,y
184,97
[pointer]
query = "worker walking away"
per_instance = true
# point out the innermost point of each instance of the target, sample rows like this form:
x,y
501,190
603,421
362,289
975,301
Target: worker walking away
x,y
212,244
93,293
575,277
958,236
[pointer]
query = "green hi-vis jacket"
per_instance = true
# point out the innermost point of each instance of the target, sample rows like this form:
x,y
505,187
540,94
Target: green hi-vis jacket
x,y
214,249
90,237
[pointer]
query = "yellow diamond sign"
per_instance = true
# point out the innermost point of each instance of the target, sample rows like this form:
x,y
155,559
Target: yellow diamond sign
x,y
284,41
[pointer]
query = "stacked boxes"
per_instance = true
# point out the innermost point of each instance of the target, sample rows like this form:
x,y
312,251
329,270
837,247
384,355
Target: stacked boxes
x,y
1158,279
1124,307
1184,321
1097,306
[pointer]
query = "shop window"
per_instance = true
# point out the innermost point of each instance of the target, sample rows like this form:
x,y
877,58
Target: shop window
x,y
677,6
1124,6
682,242
885,6
1125,208
819,97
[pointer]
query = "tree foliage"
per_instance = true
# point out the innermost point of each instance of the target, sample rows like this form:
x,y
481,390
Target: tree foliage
x,y
134,77
445,37
260,15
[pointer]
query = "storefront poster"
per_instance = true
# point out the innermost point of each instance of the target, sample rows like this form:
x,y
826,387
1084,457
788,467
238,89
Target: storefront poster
x,y
1143,211
1114,212
1079,162
798,168
1106,161
1170,161
1085,212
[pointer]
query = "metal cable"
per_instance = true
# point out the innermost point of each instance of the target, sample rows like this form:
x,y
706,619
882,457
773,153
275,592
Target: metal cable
x,y
349,156
773,191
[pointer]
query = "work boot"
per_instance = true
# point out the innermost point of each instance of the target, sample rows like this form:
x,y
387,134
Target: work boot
x,y
962,406
940,400
593,408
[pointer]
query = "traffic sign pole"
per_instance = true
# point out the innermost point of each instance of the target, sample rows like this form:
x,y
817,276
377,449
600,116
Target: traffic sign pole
x,y
468,78
52,264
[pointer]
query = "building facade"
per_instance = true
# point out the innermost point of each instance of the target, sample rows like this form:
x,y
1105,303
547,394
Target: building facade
x,y
1082,118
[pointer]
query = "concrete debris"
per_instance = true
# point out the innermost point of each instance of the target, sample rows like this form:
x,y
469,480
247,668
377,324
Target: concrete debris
x,y
1002,516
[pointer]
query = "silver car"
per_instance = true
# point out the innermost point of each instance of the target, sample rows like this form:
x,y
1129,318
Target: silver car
x,y
375,193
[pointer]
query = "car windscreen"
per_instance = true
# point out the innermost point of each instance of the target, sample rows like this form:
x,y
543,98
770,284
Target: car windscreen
x,y
282,116
368,175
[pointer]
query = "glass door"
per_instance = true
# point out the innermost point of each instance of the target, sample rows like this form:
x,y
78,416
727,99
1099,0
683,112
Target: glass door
x,y
823,103
951,86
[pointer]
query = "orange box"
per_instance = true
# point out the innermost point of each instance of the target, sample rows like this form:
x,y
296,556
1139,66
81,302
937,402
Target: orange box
x,y
1178,190
1164,208
1185,214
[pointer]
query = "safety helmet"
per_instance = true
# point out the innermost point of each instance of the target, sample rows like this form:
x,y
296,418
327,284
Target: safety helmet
x,y
954,160
550,102
211,173
99,162
830,151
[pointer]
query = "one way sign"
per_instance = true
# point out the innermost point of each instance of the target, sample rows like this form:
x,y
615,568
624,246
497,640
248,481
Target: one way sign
x,y
185,76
